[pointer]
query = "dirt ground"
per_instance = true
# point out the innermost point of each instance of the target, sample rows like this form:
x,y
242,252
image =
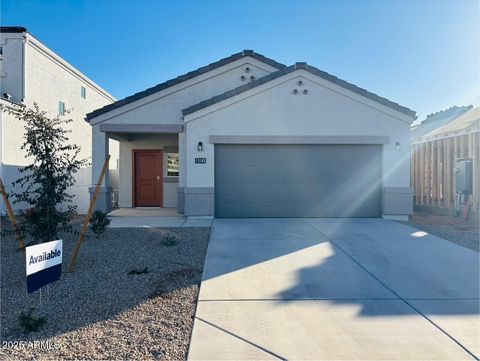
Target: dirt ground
x,y
453,229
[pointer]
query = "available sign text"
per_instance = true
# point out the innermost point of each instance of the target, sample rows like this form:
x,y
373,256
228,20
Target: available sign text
x,y
44,264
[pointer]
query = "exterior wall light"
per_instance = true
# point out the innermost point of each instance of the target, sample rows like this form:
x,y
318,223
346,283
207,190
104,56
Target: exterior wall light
x,y
398,146
200,147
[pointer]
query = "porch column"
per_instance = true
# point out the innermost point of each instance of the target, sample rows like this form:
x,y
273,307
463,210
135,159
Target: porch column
x,y
182,174
99,154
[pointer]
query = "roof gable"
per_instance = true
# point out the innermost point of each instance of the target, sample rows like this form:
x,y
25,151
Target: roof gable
x,y
436,120
467,122
286,70
184,77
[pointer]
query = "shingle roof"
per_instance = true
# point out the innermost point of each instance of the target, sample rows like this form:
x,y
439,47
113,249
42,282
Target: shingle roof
x,y
12,29
183,78
310,69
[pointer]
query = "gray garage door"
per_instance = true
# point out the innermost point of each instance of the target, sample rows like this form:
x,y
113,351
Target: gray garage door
x,y
325,180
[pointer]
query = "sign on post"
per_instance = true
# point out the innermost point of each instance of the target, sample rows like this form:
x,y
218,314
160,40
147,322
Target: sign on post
x,y
44,264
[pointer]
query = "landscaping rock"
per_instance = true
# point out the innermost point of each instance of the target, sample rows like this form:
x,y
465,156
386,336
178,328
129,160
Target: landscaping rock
x,y
100,311
453,229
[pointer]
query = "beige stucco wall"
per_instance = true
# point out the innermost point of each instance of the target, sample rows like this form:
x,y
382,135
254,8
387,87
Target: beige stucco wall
x,y
48,80
272,109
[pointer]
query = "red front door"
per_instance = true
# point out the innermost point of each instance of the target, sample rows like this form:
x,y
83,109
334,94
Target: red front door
x,y
148,181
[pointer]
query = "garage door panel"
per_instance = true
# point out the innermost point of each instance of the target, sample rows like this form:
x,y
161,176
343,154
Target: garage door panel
x,y
291,154
234,210
252,196
297,174
297,180
291,193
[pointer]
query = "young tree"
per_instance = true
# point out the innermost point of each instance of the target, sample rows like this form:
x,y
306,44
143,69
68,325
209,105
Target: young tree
x,y
44,183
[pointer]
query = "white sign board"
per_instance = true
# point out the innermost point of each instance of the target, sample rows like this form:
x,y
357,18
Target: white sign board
x,y
43,264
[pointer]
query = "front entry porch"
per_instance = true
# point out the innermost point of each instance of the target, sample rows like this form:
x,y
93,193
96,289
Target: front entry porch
x,y
148,170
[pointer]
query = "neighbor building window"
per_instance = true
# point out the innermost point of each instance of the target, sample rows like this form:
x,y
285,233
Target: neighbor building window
x,y
61,108
173,165
83,92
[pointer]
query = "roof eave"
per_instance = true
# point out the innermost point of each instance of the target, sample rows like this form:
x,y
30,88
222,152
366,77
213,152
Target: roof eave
x,y
13,29
313,70
182,78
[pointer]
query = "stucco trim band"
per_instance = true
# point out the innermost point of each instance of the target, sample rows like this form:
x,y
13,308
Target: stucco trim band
x,y
142,128
199,201
397,200
181,200
104,198
298,139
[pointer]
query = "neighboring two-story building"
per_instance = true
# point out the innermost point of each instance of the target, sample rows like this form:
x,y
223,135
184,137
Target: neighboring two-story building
x,y
32,73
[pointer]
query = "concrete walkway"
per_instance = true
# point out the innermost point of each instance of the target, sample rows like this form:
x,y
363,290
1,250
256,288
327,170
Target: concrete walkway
x,y
335,289
154,218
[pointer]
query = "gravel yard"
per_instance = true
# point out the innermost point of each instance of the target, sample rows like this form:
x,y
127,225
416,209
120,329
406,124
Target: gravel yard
x,y
453,229
102,310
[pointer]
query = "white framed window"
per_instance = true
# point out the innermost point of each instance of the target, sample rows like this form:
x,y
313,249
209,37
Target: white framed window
x,y
173,165
83,92
61,108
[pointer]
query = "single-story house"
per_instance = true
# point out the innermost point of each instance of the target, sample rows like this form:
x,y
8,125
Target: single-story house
x,y
247,136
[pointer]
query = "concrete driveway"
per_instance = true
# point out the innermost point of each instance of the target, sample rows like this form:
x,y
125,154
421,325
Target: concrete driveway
x,y
335,289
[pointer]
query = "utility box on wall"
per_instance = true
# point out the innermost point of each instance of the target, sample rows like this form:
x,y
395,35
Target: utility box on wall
x,y
463,176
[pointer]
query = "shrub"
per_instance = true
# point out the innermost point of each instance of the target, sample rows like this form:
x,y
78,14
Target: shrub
x,y
99,222
169,240
138,272
30,323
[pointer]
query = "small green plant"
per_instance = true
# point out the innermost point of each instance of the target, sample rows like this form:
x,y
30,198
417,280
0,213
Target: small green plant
x,y
138,272
169,240
29,323
99,222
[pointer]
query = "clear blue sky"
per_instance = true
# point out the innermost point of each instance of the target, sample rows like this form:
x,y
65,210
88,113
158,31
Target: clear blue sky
x,y
424,54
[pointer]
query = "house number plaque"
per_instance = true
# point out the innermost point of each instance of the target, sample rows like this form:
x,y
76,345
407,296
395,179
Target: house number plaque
x,y
200,160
